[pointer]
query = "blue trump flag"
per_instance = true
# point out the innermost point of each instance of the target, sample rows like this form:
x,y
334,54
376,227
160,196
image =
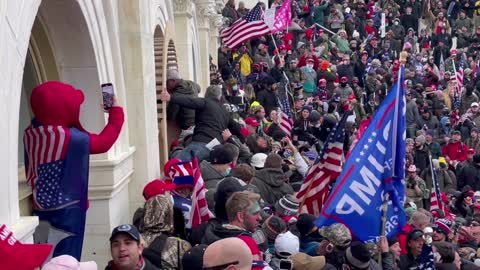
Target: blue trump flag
x,y
376,166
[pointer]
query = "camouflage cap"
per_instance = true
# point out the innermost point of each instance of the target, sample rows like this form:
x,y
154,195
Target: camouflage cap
x,y
338,234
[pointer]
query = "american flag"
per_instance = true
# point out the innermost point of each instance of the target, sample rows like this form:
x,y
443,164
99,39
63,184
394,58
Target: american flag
x,y
435,198
427,259
199,212
177,168
457,97
315,188
248,27
45,150
285,120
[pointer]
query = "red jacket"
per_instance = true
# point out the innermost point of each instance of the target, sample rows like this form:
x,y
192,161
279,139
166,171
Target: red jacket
x,y
455,151
402,237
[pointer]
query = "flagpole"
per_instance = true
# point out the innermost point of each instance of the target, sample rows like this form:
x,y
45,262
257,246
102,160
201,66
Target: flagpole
x,y
326,29
403,61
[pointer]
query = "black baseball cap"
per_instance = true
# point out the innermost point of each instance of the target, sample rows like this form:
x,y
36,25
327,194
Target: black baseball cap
x,y
128,229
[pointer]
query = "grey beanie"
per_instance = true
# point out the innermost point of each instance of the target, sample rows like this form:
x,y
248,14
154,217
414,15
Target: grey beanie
x,y
213,91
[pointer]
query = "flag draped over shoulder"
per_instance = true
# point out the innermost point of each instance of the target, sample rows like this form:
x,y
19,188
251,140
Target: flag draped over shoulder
x,y
376,166
246,28
316,186
199,212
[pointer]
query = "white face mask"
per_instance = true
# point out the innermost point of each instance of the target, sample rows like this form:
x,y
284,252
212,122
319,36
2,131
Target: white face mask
x,y
310,66
396,23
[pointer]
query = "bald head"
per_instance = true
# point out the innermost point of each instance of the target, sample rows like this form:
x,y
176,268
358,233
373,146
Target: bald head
x,y
227,252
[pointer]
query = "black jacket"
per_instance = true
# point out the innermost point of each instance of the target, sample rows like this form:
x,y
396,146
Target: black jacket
x,y
407,262
212,231
268,100
211,118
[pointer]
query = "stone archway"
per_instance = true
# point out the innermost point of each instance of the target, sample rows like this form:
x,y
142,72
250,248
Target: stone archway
x,y
163,62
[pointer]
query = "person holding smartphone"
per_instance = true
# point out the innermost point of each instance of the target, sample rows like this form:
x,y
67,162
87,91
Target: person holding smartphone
x,y
60,181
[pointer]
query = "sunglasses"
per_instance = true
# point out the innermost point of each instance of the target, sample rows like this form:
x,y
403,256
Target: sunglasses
x,y
220,267
438,230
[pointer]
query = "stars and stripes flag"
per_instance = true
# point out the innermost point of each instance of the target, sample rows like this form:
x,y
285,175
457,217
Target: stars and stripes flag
x,y
316,186
45,150
246,28
435,199
199,212
285,119
457,97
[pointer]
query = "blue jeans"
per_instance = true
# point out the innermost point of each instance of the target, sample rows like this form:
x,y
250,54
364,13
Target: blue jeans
x,y
199,150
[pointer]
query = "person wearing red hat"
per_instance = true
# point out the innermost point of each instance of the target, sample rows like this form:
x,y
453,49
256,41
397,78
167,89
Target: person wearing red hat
x,y
18,256
57,151
252,125
344,90
310,75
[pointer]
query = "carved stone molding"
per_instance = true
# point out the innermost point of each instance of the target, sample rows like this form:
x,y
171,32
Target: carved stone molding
x,y
183,6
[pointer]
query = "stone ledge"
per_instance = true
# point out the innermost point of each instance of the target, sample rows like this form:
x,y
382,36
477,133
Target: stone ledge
x,y
106,192
117,172
24,227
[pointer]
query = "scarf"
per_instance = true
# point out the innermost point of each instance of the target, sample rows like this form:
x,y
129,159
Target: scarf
x,y
140,265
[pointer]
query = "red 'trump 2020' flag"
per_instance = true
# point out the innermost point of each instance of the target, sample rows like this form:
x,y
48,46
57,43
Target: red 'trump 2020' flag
x,y
248,27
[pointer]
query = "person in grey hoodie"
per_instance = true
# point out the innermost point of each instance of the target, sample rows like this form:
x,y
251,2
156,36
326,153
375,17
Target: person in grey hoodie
x,y
271,181
215,171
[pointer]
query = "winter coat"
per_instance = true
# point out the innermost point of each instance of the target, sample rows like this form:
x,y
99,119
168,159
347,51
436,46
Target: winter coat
x,y
434,149
166,252
211,118
443,179
272,184
215,231
420,158
231,13
346,71
431,123
268,100
212,178
407,262
455,151
344,92
409,21
388,261
185,117
319,14
469,175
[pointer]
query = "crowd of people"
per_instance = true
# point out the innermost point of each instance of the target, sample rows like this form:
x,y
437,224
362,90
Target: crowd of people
x,y
336,57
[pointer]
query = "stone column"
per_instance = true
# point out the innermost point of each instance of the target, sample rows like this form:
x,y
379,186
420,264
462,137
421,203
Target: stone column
x,y
184,39
205,11
216,21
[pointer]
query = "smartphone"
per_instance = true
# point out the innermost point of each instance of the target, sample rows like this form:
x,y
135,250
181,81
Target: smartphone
x,y
286,264
107,95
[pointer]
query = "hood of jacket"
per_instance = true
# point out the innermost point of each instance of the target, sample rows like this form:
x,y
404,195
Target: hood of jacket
x,y
208,172
272,177
215,232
